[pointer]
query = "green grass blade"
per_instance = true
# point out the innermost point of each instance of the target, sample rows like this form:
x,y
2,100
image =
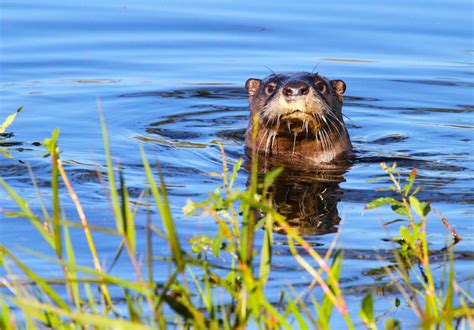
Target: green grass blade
x,y
6,322
9,120
27,213
83,318
85,227
51,145
266,253
333,281
90,299
45,287
5,153
38,193
293,308
110,172
71,258
165,212
366,312
149,241
201,292
323,321
448,305
100,277
127,215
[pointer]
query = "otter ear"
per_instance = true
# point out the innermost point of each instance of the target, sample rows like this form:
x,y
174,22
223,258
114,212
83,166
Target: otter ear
x,y
252,86
339,87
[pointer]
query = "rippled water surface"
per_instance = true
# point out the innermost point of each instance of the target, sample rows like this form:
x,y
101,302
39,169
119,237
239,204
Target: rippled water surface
x,y
170,76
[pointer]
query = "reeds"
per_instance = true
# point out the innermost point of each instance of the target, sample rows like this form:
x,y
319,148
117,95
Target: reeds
x,y
201,290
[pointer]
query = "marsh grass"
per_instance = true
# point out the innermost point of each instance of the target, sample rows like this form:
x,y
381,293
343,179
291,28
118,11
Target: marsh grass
x,y
201,290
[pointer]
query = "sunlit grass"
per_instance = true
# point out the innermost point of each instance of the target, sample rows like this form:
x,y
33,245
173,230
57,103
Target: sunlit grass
x,y
198,292
3,127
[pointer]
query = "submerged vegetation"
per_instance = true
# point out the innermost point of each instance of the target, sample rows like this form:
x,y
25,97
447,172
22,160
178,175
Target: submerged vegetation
x,y
213,282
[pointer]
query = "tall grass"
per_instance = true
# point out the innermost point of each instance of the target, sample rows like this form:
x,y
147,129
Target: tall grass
x,y
200,291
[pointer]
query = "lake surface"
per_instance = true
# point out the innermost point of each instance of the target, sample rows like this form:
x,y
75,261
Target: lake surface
x,y
170,76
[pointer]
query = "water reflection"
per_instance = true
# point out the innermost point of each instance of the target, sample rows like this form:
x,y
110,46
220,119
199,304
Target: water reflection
x,y
307,197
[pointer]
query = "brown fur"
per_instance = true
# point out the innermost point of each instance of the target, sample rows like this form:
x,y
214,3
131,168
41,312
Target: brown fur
x,y
305,127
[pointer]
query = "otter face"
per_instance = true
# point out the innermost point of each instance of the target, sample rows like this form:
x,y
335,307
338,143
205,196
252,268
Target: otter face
x,y
296,103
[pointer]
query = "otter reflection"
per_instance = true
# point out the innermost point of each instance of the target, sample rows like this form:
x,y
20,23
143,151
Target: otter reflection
x,y
307,197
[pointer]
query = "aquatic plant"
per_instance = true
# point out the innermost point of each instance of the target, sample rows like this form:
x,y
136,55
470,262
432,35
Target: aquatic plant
x,y
3,127
432,303
217,282
9,120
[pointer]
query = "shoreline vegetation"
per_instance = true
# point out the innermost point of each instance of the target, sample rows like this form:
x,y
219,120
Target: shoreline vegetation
x,y
215,282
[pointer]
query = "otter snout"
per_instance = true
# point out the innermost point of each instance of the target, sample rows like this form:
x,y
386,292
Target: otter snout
x,y
295,88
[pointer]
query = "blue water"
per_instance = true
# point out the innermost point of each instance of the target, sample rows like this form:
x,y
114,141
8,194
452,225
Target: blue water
x,y
170,75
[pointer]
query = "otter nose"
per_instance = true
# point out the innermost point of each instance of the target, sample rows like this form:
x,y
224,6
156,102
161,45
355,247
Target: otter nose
x,y
296,88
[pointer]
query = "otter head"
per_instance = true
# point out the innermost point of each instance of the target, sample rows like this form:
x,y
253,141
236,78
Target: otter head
x,y
299,107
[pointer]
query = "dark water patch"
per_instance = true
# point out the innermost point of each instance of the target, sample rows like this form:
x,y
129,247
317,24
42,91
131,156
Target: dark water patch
x,y
209,110
234,135
202,92
13,169
203,118
82,175
401,161
171,143
393,138
412,110
6,135
379,288
201,125
133,192
352,100
430,192
173,135
438,82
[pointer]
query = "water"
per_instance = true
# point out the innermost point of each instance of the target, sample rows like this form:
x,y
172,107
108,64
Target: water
x,y
170,76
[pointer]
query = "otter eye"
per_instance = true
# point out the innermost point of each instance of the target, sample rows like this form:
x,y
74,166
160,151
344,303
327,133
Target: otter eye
x,y
270,88
320,86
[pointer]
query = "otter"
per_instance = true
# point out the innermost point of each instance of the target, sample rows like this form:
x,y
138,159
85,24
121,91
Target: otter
x,y
298,117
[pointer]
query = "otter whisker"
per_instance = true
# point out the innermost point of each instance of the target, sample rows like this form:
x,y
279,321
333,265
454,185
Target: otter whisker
x,y
320,140
324,119
261,139
327,140
317,119
334,140
269,139
271,122
338,120
336,126
269,69
327,146
347,117
338,130
294,141
323,140
330,137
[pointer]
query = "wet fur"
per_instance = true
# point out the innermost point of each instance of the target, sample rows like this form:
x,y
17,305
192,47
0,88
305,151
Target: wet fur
x,y
302,128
